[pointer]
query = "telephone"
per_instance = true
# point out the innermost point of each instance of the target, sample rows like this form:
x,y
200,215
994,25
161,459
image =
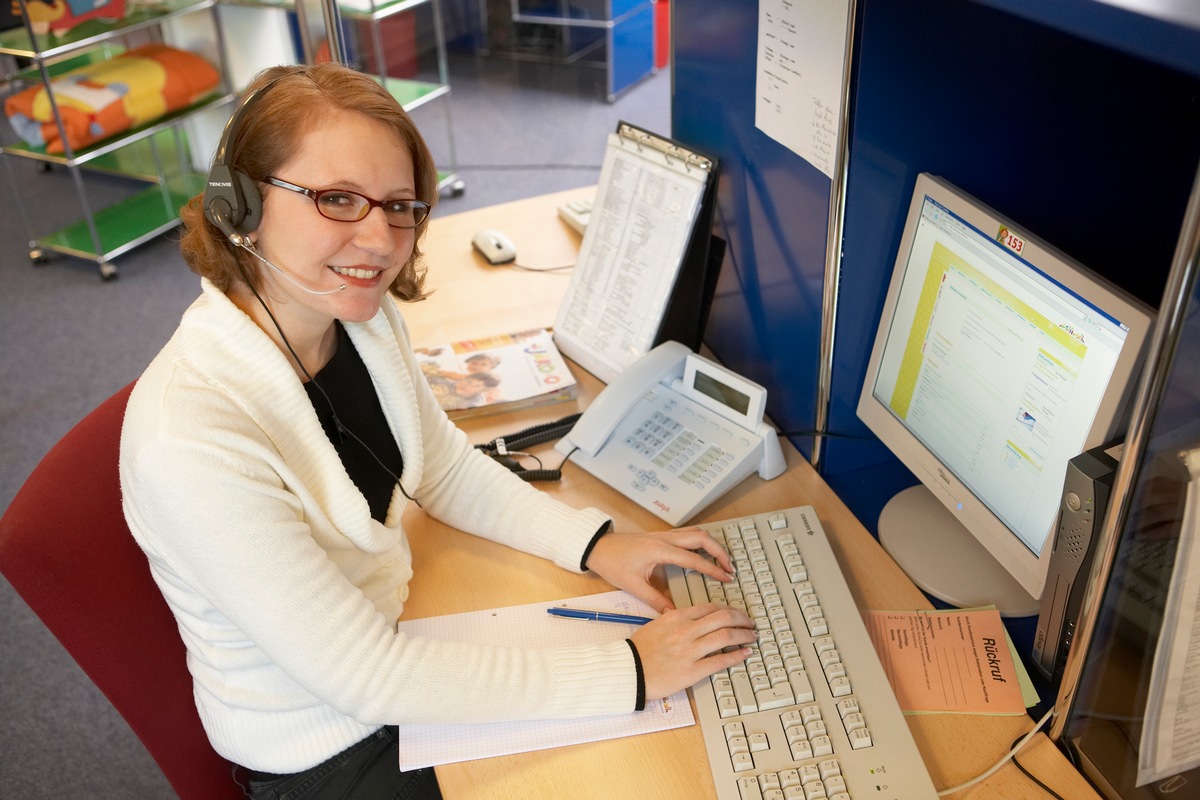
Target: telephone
x,y
674,431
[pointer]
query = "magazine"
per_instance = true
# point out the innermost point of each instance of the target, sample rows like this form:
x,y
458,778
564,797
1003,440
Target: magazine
x,y
497,373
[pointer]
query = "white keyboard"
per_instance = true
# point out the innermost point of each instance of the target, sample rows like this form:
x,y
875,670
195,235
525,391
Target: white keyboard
x,y
577,214
810,715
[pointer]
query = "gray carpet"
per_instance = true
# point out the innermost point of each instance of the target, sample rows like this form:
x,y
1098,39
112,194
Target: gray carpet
x,y
69,340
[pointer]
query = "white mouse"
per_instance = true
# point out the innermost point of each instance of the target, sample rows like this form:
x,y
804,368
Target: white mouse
x,y
495,246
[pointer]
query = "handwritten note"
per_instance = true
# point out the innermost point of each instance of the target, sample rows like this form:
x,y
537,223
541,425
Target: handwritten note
x,y
798,100
948,661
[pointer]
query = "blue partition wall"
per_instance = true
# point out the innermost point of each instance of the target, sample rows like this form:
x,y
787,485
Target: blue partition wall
x,y
1087,146
771,211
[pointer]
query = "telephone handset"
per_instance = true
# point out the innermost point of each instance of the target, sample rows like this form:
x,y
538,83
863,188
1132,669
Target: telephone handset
x,y
675,431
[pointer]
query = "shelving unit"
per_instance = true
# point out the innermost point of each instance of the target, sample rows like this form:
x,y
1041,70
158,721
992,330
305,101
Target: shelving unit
x,y
104,234
616,35
411,93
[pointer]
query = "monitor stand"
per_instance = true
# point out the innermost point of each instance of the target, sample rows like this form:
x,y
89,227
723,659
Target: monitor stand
x,y
942,557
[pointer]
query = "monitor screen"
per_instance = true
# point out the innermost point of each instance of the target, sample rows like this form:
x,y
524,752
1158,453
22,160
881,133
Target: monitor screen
x,y
997,360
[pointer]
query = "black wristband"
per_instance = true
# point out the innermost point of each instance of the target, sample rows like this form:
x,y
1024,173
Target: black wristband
x,y
640,705
605,528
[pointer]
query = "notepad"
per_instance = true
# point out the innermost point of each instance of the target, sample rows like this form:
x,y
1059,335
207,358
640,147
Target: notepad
x,y
530,626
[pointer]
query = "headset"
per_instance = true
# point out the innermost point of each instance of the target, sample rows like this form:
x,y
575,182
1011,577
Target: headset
x,y
232,201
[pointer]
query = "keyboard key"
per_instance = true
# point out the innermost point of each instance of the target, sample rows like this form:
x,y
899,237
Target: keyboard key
x,y
748,789
860,739
743,692
801,688
775,697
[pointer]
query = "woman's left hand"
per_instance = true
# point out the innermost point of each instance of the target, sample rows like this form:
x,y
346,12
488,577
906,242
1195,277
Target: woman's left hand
x,y
628,560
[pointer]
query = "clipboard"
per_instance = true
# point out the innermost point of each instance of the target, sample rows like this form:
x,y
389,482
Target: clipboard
x,y
648,263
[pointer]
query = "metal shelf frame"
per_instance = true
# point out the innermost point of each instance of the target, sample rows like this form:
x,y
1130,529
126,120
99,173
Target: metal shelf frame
x,y
105,234
410,93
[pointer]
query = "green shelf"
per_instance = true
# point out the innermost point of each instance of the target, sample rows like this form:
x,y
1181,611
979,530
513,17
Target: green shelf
x,y
128,223
33,75
137,160
410,94
16,42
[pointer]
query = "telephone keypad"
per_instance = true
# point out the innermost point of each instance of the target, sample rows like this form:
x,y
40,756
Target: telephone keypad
x,y
678,449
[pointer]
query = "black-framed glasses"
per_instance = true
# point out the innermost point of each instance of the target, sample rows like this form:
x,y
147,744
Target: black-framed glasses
x,y
343,205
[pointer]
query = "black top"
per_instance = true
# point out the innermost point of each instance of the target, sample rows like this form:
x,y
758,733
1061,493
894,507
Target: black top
x,y
343,391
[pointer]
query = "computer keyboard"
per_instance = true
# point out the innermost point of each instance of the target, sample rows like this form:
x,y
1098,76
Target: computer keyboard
x,y
810,715
577,213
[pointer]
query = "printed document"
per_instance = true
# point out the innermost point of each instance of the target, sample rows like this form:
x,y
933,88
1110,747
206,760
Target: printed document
x,y
950,661
1171,734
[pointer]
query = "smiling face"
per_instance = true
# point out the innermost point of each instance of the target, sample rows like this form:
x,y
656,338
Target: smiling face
x,y
343,150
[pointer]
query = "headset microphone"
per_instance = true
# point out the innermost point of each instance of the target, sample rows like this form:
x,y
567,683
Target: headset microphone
x,y
246,245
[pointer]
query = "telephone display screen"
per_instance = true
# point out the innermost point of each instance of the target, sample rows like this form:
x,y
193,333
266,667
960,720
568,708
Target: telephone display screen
x,y
723,393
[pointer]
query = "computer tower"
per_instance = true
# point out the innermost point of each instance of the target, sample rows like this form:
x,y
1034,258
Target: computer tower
x,y
1087,488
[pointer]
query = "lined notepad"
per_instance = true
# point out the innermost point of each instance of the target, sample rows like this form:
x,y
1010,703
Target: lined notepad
x,y
530,626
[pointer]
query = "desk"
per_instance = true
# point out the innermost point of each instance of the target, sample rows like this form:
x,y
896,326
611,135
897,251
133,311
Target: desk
x,y
456,572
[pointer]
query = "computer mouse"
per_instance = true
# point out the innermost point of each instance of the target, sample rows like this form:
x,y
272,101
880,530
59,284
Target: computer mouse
x,y
495,246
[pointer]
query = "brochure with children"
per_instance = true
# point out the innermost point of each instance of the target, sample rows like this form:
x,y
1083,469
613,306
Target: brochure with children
x,y
497,373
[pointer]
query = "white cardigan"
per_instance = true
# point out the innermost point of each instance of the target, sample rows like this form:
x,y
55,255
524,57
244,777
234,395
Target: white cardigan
x,y
285,589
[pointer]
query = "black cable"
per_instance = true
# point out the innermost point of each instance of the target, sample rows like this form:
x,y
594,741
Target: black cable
x,y
503,448
341,428
824,434
1030,775
533,435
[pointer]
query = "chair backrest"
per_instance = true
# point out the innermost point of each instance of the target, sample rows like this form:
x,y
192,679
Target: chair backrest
x,y
66,549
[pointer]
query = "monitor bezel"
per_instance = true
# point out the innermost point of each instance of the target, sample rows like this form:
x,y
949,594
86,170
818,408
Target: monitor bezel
x,y
1026,567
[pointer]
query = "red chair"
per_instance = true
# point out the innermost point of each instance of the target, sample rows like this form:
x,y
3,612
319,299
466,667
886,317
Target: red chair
x,y
65,548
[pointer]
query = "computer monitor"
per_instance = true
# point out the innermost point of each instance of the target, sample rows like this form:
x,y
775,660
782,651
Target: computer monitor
x,y
997,360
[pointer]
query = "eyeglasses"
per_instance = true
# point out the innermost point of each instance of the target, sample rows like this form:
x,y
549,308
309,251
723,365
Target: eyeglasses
x,y
343,205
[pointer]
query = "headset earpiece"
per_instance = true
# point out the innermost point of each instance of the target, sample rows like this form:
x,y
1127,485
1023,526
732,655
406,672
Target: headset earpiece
x,y
231,200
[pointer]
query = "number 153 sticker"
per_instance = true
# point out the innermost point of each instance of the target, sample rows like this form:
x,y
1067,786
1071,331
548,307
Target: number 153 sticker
x,y
1010,240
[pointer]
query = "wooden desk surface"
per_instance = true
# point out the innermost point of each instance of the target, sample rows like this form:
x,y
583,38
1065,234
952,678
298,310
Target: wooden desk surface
x,y
457,572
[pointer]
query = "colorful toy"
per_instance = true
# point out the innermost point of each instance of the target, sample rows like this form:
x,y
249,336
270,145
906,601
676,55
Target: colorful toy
x,y
59,16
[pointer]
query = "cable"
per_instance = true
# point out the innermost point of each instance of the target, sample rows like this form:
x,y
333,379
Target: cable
x,y
533,435
567,457
506,449
514,265
823,434
341,428
1004,760
1033,777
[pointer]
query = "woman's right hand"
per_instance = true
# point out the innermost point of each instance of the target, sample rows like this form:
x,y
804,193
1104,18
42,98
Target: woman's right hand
x,y
684,645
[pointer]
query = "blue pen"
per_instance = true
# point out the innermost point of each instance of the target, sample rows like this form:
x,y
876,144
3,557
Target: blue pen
x,y
598,616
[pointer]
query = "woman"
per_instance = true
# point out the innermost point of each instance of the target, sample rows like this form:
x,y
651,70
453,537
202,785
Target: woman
x,y
271,448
